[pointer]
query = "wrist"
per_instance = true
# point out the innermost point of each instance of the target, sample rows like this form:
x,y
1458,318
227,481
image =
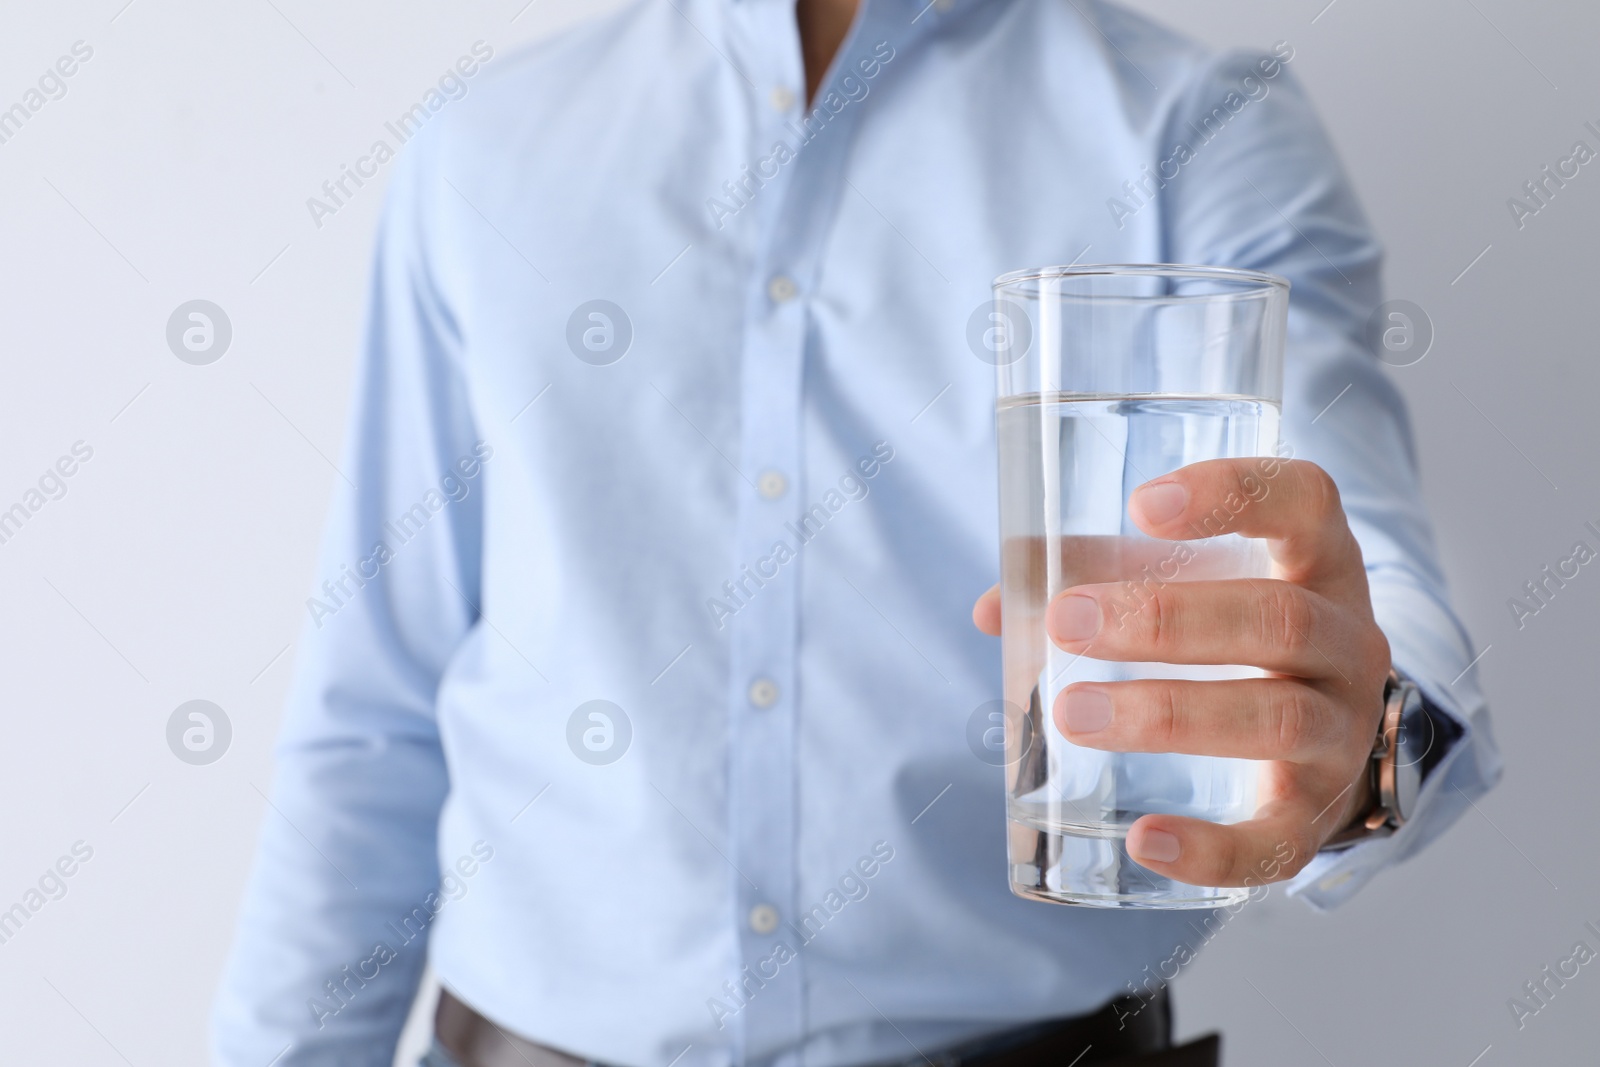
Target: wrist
x,y
1359,799
1391,777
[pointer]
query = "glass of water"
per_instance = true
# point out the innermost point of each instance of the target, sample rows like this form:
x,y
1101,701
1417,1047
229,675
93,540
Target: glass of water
x,y
1110,376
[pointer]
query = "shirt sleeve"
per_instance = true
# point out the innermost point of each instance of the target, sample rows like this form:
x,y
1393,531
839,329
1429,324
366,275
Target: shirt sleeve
x,y
332,936
1260,187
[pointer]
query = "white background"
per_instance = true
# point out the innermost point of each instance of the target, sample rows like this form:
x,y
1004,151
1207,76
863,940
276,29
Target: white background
x,y
177,166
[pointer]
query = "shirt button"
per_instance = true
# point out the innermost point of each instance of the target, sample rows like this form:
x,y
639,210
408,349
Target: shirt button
x,y
782,289
782,99
764,693
763,918
772,484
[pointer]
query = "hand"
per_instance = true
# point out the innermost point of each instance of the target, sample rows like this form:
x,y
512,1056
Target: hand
x,y
1313,717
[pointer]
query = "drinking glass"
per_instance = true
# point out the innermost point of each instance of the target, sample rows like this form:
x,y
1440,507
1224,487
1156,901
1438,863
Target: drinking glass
x,y
1110,376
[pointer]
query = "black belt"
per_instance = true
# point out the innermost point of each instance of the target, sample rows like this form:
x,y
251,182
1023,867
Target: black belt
x,y
1124,1033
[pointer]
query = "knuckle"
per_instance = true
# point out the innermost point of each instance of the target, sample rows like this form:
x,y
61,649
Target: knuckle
x,y
1242,482
1230,868
1287,619
1302,849
1321,492
1158,619
1162,620
1164,717
1298,721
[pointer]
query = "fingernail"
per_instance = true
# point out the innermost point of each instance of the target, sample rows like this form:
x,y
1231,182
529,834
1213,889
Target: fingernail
x,y
1158,845
1163,501
1085,711
1074,618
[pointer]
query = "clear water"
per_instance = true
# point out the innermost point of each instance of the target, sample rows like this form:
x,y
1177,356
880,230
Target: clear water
x,y
1067,466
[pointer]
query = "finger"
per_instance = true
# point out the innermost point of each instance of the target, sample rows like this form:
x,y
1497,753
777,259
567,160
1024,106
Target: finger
x,y
1275,845
1255,718
1293,503
1260,622
986,612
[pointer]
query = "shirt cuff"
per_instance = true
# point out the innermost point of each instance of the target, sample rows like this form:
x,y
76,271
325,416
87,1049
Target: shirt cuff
x,y
1459,761
1335,876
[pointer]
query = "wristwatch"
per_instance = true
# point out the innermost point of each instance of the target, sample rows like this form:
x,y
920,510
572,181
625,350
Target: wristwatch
x,y
1395,767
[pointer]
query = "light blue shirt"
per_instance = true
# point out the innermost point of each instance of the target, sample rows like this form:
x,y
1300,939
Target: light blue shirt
x,y
757,535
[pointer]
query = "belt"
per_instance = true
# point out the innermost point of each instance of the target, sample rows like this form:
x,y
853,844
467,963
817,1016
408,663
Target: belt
x,y
1124,1033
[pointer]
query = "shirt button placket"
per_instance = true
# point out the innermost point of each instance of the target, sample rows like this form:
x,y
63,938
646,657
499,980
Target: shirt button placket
x,y
762,745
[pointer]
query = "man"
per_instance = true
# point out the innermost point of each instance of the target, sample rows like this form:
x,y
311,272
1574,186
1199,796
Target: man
x,y
636,695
